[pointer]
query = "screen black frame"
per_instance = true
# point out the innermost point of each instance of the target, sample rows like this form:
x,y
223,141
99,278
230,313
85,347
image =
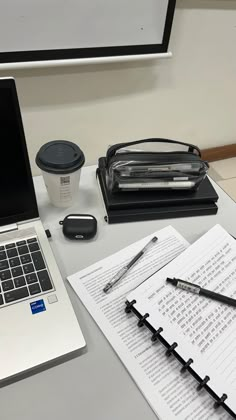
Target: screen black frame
x,y
95,52
32,212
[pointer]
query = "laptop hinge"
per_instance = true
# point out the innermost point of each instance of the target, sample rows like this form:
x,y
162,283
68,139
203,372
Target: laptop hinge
x,y
8,228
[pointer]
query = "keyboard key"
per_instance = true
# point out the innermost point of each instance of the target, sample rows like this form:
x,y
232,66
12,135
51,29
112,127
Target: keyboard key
x,y
34,247
31,278
1,300
38,260
4,264
14,262
12,252
23,250
25,259
8,246
2,248
16,294
19,281
7,285
44,280
17,271
4,275
34,288
28,268
20,243
31,240
3,255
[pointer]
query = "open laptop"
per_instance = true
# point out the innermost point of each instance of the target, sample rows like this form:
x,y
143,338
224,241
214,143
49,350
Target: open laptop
x,y
37,322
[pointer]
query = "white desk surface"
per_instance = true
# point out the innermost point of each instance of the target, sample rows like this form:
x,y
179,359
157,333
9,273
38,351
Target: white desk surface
x,y
95,385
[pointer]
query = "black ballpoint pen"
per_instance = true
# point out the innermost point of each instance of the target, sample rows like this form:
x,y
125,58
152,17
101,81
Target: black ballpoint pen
x,y
194,288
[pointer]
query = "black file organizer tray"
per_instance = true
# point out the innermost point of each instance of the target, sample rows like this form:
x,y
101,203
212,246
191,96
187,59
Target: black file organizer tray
x,y
171,350
143,205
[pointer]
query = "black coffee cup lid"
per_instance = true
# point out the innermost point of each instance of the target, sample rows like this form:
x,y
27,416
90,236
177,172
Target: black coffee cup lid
x,y
60,157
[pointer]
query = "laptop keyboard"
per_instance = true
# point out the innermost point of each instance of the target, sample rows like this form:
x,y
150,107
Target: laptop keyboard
x,y
23,271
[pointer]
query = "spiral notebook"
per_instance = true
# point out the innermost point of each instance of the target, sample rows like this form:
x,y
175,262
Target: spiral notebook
x,y
171,394
195,334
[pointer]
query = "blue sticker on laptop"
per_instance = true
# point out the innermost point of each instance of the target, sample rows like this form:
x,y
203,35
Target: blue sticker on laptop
x,y
37,306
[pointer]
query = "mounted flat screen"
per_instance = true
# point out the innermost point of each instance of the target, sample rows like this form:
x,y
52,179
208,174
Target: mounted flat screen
x,y
36,30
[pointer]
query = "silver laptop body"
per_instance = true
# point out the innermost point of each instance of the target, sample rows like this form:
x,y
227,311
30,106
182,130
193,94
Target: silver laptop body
x,y
37,321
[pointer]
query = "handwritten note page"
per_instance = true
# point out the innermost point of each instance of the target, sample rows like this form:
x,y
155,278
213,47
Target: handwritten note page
x,y
204,329
145,362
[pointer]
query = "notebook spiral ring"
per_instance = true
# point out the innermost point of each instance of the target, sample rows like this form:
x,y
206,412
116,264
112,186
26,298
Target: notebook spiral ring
x,y
220,401
203,383
171,350
156,334
141,321
129,306
186,365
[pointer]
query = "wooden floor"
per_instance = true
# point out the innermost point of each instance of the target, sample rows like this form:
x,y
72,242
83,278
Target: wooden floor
x,y
224,173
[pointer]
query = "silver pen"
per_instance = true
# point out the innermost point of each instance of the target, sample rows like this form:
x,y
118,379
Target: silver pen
x,y
122,272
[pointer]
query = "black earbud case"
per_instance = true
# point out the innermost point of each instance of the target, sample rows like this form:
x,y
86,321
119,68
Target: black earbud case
x,y
79,226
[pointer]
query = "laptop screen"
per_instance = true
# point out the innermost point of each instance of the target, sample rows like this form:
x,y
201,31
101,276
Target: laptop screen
x,y
18,200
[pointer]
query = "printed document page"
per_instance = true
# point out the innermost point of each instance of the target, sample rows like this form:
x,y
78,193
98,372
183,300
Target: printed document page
x,y
144,361
204,329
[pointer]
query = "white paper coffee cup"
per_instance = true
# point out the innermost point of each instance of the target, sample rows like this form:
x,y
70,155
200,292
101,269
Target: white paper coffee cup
x,y
60,162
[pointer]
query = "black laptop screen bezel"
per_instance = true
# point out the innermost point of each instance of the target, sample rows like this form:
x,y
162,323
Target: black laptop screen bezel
x,y
32,211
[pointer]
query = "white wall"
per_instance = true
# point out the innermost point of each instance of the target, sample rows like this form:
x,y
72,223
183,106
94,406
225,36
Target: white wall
x,y
190,97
